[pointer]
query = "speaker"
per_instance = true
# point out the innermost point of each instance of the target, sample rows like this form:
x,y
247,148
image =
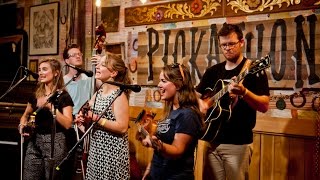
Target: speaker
x,y
8,20
10,153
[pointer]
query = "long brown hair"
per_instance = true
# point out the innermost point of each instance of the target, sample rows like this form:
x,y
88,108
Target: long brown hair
x,y
180,76
57,81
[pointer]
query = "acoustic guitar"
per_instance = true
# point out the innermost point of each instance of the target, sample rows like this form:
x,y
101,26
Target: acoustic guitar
x,y
218,112
30,127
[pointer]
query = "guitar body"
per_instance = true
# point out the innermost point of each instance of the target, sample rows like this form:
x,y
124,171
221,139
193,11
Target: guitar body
x,y
220,111
217,114
30,127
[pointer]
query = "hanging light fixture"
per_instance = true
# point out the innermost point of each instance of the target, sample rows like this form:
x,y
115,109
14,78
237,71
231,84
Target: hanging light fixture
x,y
98,3
143,1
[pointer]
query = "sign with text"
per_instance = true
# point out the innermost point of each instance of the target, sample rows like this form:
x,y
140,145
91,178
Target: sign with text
x,y
293,45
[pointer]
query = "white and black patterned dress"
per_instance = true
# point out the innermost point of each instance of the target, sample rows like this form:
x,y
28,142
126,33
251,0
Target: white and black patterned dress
x,y
108,152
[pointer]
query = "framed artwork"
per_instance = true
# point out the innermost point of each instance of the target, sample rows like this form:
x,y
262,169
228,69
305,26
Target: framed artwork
x,y
33,66
44,29
110,18
116,48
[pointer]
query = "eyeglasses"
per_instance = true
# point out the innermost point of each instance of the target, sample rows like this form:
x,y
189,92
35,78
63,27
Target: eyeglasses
x,y
75,54
175,65
230,45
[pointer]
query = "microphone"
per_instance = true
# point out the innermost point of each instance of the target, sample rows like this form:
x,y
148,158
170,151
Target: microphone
x,y
134,88
33,74
88,73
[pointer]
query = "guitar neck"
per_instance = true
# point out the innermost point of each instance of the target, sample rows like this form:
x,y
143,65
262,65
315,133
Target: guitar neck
x,y
143,130
224,89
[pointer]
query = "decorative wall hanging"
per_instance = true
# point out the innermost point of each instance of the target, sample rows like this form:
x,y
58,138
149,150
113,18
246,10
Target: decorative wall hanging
x,y
281,104
173,12
245,7
44,29
207,9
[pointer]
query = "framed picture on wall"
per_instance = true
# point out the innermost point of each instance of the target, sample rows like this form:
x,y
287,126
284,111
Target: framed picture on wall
x,y
110,18
33,66
44,29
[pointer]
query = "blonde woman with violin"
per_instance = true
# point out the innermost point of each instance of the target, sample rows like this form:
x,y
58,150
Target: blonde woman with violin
x,y
109,145
177,134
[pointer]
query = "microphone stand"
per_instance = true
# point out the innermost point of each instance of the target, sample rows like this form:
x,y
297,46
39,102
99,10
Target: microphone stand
x,y
54,98
12,87
53,134
89,129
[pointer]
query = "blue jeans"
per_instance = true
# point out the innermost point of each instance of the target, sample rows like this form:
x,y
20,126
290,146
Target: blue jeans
x,y
227,161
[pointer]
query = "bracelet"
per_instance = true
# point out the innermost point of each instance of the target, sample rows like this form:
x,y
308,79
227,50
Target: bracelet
x,y
103,122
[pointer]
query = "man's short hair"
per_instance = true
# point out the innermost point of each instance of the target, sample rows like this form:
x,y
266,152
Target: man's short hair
x,y
227,29
66,50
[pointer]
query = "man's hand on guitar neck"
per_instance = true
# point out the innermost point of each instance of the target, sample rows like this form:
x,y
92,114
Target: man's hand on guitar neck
x,y
236,88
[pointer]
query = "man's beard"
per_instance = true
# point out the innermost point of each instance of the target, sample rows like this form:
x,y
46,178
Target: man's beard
x,y
234,59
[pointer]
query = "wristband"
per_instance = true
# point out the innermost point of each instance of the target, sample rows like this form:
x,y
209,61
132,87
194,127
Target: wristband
x,y
103,122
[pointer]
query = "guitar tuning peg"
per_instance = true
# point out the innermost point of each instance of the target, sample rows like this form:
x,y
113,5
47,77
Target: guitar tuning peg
x,y
262,72
257,74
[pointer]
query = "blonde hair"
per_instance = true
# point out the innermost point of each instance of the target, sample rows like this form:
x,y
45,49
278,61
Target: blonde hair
x,y
57,81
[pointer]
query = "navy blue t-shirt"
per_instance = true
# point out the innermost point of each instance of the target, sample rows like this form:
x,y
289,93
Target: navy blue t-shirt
x,y
185,121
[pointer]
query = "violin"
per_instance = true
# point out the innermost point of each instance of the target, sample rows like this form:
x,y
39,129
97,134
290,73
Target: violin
x,y
82,157
82,126
146,125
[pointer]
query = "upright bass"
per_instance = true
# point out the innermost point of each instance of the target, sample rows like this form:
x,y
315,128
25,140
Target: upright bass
x,y
98,50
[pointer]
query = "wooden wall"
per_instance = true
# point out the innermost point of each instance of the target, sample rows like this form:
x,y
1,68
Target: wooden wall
x,y
284,140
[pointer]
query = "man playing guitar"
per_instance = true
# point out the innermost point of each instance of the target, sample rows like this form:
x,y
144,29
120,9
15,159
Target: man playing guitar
x,y
229,150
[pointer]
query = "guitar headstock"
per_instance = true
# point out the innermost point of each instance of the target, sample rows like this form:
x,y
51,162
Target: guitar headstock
x,y
260,64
